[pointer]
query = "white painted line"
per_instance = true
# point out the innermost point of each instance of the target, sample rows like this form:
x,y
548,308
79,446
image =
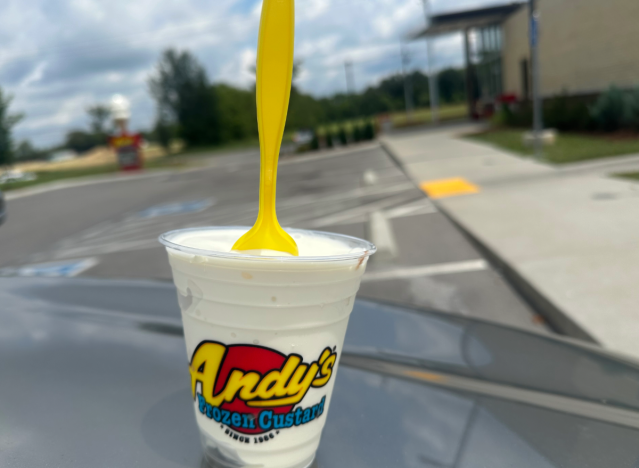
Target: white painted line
x,y
54,269
327,154
80,182
297,201
381,234
426,270
370,177
422,206
102,179
349,214
108,248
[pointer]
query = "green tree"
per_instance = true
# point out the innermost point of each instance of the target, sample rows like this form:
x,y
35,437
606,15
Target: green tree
x,y
611,111
304,111
315,141
357,133
99,115
7,122
164,133
452,85
81,141
369,131
239,113
183,94
341,134
26,152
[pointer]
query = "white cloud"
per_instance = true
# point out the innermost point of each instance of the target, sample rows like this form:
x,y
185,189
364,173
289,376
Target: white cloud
x,y
34,76
68,111
59,57
238,71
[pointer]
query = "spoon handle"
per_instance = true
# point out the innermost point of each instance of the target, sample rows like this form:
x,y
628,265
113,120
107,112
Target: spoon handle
x,y
274,76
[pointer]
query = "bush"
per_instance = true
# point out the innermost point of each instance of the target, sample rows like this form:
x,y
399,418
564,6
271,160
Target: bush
x,y
567,114
81,141
611,110
369,131
520,115
164,133
341,134
331,139
315,141
357,133
632,111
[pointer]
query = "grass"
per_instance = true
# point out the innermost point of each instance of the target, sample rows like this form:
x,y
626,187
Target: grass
x,y
423,116
400,119
52,176
570,147
629,175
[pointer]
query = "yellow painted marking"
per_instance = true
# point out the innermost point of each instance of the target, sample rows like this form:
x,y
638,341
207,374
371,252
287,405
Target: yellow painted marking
x,y
448,187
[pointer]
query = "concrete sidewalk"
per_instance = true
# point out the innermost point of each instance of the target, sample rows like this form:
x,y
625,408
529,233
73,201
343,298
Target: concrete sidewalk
x,y
569,239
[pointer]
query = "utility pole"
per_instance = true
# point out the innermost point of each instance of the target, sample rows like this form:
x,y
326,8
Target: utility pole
x,y
432,75
538,118
350,78
408,81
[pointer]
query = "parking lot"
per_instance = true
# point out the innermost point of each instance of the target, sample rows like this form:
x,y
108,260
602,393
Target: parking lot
x,y
109,228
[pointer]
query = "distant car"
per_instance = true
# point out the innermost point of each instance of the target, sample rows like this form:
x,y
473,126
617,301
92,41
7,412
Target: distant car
x,y
17,176
3,209
303,137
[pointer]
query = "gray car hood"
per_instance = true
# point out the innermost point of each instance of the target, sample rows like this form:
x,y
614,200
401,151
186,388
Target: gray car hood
x,y
94,373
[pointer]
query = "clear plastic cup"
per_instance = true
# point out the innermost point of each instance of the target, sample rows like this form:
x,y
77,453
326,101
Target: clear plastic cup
x,y
263,339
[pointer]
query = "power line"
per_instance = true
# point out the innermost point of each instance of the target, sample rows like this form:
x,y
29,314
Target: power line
x,y
408,80
432,76
389,57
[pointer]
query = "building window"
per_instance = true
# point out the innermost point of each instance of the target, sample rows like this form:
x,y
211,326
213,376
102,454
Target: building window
x,y
487,61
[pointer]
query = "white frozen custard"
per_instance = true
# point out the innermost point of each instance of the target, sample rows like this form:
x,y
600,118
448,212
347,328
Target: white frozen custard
x,y
264,332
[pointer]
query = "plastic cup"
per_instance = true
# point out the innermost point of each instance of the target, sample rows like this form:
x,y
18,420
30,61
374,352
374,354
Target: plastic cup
x,y
263,339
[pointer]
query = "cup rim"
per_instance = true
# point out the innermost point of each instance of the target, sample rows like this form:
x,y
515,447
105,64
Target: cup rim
x,y
366,248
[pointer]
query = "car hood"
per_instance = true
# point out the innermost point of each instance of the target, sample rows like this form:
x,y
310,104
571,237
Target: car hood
x,y
94,373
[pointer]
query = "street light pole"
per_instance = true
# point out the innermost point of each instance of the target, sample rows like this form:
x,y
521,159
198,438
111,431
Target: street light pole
x,y
538,118
350,79
408,81
432,76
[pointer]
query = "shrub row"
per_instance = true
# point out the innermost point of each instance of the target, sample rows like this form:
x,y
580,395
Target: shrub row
x,y
614,109
342,136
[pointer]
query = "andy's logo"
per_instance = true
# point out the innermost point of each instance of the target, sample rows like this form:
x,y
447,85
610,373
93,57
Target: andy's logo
x,y
254,389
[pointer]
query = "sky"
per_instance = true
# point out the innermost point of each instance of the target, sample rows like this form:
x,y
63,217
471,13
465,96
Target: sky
x,y
57,58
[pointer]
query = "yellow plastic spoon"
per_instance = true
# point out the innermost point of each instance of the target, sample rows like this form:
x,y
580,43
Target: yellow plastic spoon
x,y
274,76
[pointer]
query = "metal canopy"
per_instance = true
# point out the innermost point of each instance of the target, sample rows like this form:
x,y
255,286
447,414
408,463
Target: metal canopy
x,y
462,20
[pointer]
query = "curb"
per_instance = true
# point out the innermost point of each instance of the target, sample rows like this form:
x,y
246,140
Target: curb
x,y
558,320
79,182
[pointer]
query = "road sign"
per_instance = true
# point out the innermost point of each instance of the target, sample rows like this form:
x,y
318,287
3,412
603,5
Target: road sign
x,y
193,206
67,268
128,149
534,31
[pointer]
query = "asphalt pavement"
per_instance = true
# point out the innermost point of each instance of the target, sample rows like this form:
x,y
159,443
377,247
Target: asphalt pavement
x,y
108,228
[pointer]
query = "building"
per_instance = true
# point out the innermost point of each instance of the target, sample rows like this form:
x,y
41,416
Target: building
x,y
584,47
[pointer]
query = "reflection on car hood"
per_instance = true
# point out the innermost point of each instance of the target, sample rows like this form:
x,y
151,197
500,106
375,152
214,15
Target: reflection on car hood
x,y
94,373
